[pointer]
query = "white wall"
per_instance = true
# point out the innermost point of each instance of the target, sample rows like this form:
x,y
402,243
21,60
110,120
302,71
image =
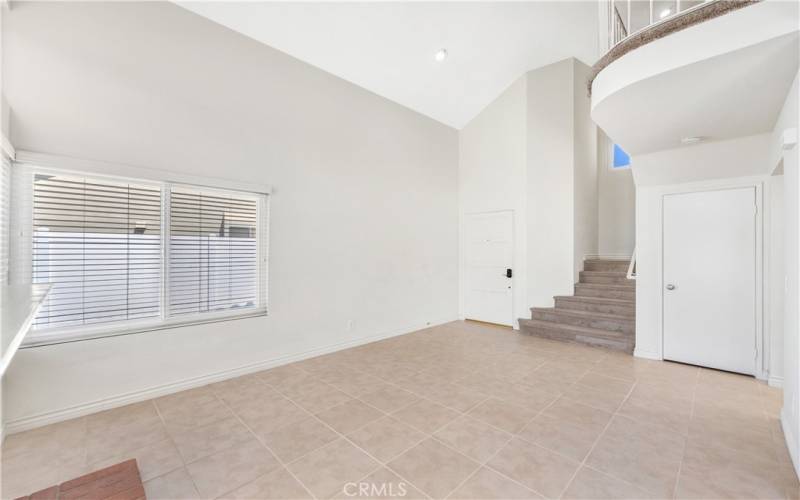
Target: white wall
x,y
738,157
649,260
787,121
585,165
534,151
745,160
561,179
550,182
707,165
491,174
703,166
364,213
773,297
616,204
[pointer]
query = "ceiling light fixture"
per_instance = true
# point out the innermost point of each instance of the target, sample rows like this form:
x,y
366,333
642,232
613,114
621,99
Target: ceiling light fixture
x,y
691,140
440,55
665,13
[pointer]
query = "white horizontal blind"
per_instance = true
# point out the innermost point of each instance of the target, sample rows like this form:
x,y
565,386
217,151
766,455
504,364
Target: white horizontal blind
x,y
98,242
213,251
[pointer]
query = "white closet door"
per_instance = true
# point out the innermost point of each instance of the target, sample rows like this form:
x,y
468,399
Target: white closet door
x,y
710,279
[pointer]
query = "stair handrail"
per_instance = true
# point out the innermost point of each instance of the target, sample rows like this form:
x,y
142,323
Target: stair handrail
x,y
631,275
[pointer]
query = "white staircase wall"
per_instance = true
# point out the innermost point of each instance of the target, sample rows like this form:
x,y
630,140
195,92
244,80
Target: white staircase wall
x,y
491,174
534,150
585,171
616,204
561,180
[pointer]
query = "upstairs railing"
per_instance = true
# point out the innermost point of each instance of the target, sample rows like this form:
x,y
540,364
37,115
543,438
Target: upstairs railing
x,y
627,17
633,23
618,30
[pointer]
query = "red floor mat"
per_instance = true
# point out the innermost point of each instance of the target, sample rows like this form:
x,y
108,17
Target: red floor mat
x,y
118,482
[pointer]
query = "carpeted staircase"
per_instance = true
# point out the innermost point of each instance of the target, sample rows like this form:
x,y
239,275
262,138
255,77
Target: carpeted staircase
x,y
602,312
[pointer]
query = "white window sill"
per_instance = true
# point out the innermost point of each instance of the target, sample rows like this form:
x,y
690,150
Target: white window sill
x,y
99,331
18,307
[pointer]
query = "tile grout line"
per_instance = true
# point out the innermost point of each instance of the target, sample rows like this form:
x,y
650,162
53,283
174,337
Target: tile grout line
x,y
686,439
316,376
432,435
597,441
375,459
172,441
513,436
277,458
343,436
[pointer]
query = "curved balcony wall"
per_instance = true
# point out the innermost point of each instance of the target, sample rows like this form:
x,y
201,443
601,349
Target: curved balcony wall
x,y
720,77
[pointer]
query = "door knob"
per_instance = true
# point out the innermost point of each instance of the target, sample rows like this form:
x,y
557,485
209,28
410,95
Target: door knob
x,y
670,287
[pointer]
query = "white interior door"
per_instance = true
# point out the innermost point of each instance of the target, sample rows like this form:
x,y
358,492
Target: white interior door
x,y
710,279
489,242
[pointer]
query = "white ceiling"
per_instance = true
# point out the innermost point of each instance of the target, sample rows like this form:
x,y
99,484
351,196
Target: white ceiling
x,y
388,47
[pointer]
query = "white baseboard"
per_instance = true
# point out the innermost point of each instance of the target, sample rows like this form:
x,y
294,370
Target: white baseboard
x,y
775,381
791,442
641,353
51,417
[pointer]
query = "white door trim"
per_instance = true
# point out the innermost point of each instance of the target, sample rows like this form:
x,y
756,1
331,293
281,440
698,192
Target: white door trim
x,y
761,369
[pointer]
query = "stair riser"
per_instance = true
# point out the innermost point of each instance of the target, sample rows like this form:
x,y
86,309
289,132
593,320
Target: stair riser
x,y
608,344
622,326
606,266
608,294
605,280
537,331
579,305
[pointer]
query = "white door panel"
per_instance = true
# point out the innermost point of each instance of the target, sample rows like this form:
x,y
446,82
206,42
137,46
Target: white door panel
x,y
487,255
710,279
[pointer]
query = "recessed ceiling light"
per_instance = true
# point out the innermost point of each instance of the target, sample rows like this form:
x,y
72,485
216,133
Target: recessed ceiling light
x,y
691,140
665,13
440,55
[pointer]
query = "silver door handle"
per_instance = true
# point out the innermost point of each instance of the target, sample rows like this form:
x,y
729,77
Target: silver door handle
x,y
670,287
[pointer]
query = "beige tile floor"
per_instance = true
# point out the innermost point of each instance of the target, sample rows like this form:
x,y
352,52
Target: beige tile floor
x,y
462,411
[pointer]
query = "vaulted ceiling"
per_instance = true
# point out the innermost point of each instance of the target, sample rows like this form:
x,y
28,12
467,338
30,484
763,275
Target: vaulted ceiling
x,y
388,47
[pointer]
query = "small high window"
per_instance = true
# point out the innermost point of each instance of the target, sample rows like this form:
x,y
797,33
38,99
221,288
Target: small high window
x,y
620,159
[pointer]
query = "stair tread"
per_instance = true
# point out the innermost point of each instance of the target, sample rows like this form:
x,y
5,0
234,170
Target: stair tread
x,y
606,273
609,286
577,329
584,314
598,300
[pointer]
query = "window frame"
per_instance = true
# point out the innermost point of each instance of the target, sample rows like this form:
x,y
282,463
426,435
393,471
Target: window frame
x,y
42,164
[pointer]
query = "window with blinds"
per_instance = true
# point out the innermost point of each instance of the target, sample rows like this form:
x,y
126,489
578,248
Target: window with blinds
x,y
213,251
136,254
99,244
